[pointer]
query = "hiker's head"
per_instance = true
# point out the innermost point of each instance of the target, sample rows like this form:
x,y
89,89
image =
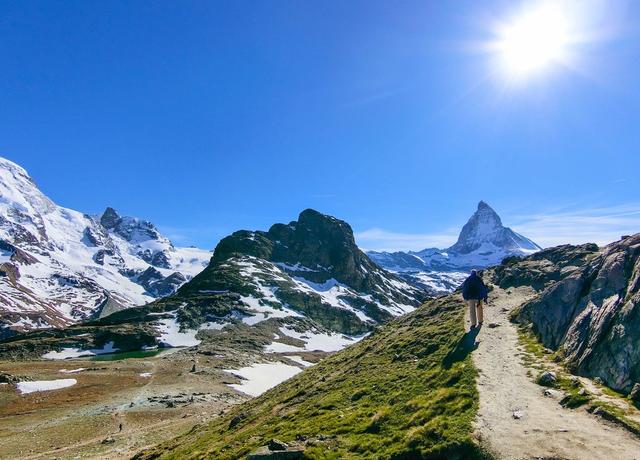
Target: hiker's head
x,y
474,272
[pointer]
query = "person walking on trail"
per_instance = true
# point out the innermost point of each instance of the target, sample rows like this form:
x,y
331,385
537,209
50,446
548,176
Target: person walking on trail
x,y
474,292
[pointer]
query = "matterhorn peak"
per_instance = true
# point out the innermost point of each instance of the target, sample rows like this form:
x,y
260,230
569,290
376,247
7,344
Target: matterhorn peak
x,y
484,231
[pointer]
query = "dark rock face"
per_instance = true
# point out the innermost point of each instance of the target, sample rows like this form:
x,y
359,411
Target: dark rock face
x,y
157,284
110,218
316,241
588,306
161,260
318,250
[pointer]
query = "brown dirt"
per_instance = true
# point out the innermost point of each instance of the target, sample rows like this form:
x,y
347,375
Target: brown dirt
x,y
73,422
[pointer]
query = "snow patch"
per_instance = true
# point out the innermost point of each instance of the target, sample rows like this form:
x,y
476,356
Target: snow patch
x,y
300,360
44,385
171,336
68,353
72,371
261,377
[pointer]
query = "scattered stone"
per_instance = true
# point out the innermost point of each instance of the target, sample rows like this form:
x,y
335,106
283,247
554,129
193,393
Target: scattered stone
x,y
518,414
8,378
635,392
276,444
193,368
237,419
493,325
583,392
548,379
598,380
264,453
108,440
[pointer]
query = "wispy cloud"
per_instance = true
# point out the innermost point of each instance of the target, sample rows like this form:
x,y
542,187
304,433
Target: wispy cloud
x,y
561,225
377,239
599,225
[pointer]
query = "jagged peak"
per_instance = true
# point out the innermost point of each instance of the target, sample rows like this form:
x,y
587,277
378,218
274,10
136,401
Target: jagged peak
x,y
109,218
486,213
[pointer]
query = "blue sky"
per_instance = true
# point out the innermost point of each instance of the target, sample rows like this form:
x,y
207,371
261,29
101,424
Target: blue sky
x,y
207,117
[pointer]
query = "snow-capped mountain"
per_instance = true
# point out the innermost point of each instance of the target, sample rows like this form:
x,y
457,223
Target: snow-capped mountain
x,y
59,266
301,286
483,242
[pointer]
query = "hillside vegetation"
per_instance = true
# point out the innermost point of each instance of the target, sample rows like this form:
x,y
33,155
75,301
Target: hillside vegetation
x,y
406,391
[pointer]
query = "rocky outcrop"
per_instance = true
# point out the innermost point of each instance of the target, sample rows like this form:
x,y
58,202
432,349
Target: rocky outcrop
x,y
588,306
159,285
312,266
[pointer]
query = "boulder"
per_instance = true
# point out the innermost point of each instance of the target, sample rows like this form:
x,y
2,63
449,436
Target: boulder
x,y
276,444
635,393
548,379
289,453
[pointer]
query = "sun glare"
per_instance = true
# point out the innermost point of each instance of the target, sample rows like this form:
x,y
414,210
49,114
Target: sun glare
x,y
533,41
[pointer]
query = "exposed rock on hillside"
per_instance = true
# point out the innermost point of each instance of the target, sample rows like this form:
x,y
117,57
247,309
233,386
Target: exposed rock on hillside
x,y
304,286
588,306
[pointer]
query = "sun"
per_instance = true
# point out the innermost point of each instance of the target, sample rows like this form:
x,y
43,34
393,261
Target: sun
x,y
533,41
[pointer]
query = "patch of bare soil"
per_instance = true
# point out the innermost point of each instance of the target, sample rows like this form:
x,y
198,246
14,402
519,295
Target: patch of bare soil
x,y
115,409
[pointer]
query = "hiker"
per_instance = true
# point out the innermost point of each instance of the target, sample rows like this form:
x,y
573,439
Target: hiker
x,y
474,292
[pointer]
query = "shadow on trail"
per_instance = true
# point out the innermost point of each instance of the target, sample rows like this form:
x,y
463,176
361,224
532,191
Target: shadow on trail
x,y
465,346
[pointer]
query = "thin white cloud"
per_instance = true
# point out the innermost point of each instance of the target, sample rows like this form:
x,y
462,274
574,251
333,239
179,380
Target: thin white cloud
x,y
377,239
600,225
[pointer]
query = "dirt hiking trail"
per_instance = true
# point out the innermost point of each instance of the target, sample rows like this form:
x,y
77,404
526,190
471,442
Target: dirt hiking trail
x,y
516,420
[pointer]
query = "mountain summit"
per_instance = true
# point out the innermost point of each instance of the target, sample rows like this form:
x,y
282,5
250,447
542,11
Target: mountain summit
x,y
59,266
484,231
483,242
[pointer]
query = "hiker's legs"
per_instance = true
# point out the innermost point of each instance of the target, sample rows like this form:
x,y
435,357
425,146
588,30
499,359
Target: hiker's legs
x,y
480,312
472,311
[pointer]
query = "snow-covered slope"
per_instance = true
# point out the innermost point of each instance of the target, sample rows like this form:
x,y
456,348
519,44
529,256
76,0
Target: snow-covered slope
x,y
483,242
59,266
298,287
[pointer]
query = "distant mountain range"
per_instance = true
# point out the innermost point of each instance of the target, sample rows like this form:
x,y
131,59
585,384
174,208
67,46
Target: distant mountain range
x,y
301,286
59,266
483,242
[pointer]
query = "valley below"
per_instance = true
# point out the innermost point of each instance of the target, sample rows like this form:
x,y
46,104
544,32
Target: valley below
x,y
124,402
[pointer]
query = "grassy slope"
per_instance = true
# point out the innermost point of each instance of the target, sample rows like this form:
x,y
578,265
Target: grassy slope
x,y
407,391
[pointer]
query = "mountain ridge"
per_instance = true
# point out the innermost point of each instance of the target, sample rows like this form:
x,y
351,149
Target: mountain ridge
x,y
302,286
60,266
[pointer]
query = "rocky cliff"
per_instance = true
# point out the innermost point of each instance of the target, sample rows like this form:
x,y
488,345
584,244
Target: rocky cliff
x,y
588,306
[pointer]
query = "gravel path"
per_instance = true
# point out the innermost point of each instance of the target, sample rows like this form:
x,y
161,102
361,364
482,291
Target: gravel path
x,y
515,419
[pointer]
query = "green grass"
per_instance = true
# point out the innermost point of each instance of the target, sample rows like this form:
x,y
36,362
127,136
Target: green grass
x,y
537,354
406,392
616,415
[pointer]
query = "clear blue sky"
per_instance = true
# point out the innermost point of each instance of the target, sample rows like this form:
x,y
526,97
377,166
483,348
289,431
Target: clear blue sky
x,y
207,117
